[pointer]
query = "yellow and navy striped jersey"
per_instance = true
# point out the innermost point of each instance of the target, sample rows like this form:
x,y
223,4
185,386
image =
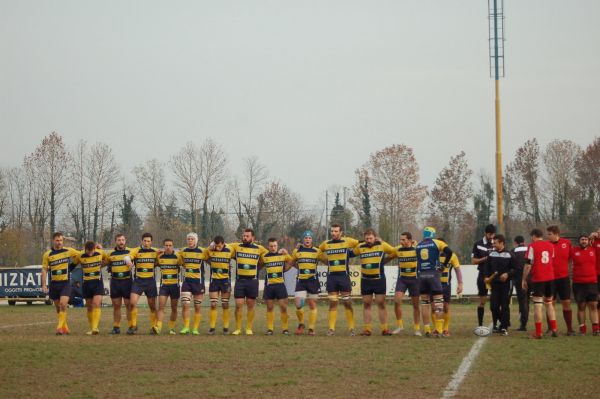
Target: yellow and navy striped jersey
x,y
247,257
337,253
192,263
407,262
219,262
145,262
307,260
274,264
116,263
91,264
57,261
428,254
446,277
372,258
169,268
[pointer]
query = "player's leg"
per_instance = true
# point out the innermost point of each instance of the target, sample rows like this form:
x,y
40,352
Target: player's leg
x,y
133,310
225,296
447,293
538,304
593,307
438,310
382,313
564,291
186,301
312,315
482,292
283,303
96,313
581,307
426,312
89,308
250,305
398,296
347,302
505,289
116,303
151,294
523,303
197,313
495,294
160,314
270,302
367,327
549,305
173,317
414,299
299,300
239,308
59,315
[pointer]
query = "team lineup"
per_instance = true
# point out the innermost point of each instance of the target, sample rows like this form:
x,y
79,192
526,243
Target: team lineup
x,y
539,271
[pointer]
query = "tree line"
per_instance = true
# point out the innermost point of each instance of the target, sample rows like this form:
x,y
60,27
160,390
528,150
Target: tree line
x,y
82,191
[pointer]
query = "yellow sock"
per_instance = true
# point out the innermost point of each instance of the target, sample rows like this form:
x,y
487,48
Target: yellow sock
x,y
383,326
368,327
417,327
250,320
439,324
300,315
447,321
197,319
116,324
332,319
427,328
172,324
152,318
159,325
90,318
350,318
225,318
96,313
284,321
212,317
433,318
400,323
186,322
238,320
312,318
270,320
133,320
60,320
65,325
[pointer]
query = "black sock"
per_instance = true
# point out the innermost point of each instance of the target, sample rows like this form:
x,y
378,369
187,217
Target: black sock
x,y
480,310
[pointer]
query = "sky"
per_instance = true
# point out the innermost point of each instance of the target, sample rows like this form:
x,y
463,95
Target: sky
x,y
310,87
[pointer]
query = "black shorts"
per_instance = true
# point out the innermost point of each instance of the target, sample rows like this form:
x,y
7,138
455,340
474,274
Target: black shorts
x,y
246,288
374,286
481,287
311,286
543,288
92,288
585,292
170,290
275,291
196,288
338,283
58,289
562,288
412,285
144,286
447,292
429,283
120,288
222,286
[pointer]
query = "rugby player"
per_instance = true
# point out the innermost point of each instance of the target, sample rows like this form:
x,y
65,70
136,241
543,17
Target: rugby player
x,y
120,265
519,253
144,282
57,260
446,280
562,283
585,283
337,252
193,283
276,262
306,258
539,261
372,254
169,263
407,281
479,256
91,259
219,260
595,236
429,271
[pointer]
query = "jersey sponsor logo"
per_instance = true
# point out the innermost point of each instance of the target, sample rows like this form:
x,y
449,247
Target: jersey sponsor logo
x,y
219,260
59,261
144,260
192,260
336,251
247,255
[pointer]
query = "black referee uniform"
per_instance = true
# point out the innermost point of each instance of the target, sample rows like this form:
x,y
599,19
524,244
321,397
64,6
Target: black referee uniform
x,y
501,262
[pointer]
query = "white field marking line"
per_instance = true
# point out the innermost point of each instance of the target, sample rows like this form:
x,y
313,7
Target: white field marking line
x,y
462,371
27,324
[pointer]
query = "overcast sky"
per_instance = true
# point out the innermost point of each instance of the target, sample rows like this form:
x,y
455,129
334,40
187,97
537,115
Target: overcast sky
x,y
311,87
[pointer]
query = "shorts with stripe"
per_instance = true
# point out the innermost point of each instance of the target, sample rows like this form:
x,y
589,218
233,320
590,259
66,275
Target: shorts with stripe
x,y
58,289
196,288
92,288
144,286
410,285
170,290
120,288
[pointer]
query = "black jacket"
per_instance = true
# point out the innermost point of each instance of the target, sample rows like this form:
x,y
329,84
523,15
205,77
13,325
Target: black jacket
x,y
501,262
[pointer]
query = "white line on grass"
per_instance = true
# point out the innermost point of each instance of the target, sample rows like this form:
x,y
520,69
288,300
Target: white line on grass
x,y
27,324
462,371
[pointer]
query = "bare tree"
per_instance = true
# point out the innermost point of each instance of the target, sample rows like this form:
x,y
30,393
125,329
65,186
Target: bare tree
x,y
245,198
150,186
186,166
526,179
213,163
360,199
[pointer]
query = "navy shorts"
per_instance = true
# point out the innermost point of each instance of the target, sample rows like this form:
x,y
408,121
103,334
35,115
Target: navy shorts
x,y
562,288
429,283
585,292
223,286
311,286
412,285
246,288
92,288
481,287
170,290
447,292
374,286
338,283
58,289
275,291
196,288
120,288
144,286
543,288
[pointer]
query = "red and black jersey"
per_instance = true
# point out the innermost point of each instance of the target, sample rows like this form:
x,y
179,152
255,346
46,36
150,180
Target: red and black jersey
x,y
584,264
562,252
596,246
540,255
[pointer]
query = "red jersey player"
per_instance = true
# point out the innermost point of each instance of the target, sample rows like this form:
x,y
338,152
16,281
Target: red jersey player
x,y
585,283
562,285
539,261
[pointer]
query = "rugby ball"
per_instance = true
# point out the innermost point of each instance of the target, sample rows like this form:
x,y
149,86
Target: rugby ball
x,y
482,331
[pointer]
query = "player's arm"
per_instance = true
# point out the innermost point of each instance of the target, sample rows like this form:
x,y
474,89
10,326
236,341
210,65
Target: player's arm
x,y
457,272
288,261
527,267
45,263
475,260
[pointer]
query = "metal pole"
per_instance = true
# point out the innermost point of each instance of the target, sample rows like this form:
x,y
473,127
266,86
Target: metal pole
x,y
499,193
327,214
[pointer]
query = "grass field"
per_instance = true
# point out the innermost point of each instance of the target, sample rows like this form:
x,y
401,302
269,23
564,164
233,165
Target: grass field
x,y
36,363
